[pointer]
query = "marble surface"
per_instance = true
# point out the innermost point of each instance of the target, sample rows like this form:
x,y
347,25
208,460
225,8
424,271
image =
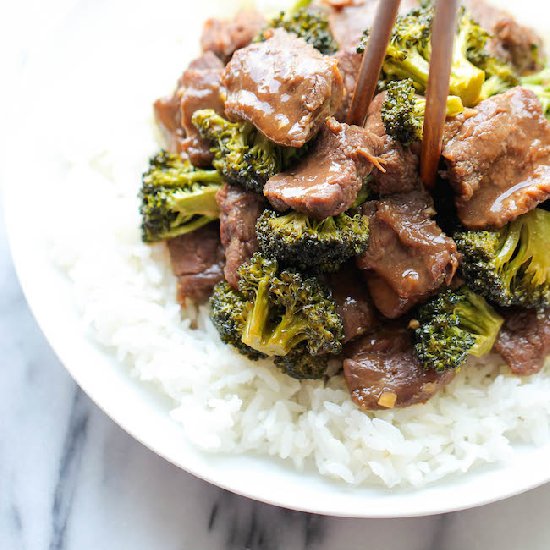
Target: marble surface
x,y
70,479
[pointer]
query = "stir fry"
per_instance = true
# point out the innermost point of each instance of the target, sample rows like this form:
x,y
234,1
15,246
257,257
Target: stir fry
x,y
315,242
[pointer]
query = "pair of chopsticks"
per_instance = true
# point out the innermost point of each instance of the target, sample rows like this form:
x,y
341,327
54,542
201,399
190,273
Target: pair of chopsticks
x,y
443,33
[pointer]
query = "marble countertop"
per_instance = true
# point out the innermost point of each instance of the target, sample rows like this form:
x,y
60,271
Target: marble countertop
x,y
71,479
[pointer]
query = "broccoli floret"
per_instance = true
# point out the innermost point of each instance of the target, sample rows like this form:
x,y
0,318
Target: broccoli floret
x,y
467,79
476,74
452,326
403,111
303,366
277,313
539,83
409,51
289,309
307,22
499,76
242,154
297,240
176,198
228,311
364,193
510,266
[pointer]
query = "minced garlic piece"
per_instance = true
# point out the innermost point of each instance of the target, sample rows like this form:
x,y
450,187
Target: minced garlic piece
x,y
388,400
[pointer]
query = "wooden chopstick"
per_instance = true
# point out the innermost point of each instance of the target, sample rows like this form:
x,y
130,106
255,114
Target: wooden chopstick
x,y
443,35
372,61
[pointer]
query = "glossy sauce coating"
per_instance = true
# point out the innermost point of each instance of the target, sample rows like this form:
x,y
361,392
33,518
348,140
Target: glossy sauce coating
x,y
409,257
382,371
498,159
327,181
283,86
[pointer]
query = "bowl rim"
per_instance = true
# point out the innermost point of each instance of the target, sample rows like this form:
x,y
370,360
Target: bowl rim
x,y
80,357
141,412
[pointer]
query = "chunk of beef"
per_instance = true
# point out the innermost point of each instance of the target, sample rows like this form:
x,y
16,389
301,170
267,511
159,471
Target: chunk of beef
x,y
498,160
327,181
239,212
197,88
353,302
347,23
400,164
510,41
197,262
168,119
225,36
408,257
283,86
349,63
524,340
200,90
348,20
383,372
206,62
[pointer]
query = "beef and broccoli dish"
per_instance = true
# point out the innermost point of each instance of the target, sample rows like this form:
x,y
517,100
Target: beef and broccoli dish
x,y
315,242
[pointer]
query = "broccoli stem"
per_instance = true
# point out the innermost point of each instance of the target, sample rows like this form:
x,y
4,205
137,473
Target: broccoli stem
x,y
258,318
484,321
412,66
508,254
466,80
174,177
454,106
279,341
189,225
492,86
531,243
204,176
201,202
290,332
539,84
537,248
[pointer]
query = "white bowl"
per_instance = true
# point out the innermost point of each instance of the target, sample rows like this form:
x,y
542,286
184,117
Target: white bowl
x,y
57,67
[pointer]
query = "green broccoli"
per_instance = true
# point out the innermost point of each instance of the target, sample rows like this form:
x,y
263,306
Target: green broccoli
x,y
307,22
364,193
295,239
499,76
403,111
176,198
539,83
408,55
277,313
510,266
452,326
303,366
467,79
242,154
228,311
475,74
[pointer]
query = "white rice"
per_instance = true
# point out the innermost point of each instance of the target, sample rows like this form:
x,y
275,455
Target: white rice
x,y
227,404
